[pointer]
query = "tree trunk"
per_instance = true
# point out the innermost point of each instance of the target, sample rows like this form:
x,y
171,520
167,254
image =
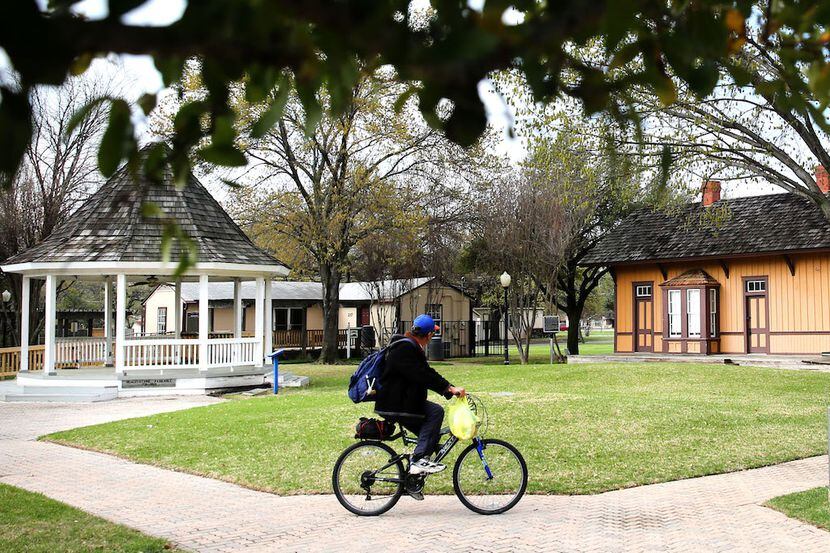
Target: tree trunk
x,y
573,298
330,278
574,312
526,352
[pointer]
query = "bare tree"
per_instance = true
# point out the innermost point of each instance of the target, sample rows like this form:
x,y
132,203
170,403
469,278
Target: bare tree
x,y
599,185
59,170
338,185
760,129
387,264
525,226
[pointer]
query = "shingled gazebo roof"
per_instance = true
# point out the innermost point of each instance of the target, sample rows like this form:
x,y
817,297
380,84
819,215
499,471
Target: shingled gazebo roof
x,y
109,228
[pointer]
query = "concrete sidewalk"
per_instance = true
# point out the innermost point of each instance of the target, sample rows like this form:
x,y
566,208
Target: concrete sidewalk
x,y
816,363
714,513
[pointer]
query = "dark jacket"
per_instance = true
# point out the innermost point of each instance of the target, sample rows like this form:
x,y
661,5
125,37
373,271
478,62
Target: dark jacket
x,y
405,380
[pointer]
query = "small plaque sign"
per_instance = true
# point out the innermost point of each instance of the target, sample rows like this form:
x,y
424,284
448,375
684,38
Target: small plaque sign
x,y
551,324
149,383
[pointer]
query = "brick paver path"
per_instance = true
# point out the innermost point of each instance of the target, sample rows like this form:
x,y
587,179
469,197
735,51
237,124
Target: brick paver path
x,y
714,513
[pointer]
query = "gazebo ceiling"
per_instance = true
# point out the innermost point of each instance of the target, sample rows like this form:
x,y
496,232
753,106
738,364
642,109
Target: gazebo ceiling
x,y
109,230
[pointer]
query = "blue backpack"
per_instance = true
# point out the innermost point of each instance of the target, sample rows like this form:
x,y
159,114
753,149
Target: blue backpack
x,y
365,382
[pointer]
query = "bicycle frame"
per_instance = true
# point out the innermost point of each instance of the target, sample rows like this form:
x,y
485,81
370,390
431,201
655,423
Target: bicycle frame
x,y
444,450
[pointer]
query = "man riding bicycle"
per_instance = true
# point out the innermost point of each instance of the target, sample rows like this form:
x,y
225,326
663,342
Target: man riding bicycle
x,y
403,392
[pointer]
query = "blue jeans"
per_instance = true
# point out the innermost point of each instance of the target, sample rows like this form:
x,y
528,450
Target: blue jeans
x,y
428,430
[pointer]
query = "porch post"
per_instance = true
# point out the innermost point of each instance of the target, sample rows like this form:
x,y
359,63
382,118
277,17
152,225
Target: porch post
x,y
269,327
237,309
49,326
108,319
120,321
24,325
177,309
204,319
258,326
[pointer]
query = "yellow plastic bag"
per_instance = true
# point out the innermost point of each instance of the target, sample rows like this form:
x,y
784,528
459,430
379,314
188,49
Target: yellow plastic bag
x,y
463,422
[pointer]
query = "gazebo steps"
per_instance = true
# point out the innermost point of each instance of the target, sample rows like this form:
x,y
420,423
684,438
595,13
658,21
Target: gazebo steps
x,y
59,394
103,384
290,380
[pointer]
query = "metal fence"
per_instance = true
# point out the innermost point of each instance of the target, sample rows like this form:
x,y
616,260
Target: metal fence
x,y
466,338
489,338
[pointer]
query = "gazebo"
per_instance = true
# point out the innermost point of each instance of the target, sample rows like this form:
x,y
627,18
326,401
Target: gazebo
x,y
110,239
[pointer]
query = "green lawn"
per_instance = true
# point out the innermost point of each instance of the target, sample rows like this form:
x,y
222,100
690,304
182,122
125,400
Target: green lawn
x,y
32,522
811,506
582,428
598,343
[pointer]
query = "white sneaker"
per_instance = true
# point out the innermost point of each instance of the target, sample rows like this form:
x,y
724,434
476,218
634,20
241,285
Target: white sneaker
x,y
425,466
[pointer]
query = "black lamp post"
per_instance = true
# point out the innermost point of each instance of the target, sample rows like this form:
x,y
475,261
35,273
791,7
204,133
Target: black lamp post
x,y
505,283
7,296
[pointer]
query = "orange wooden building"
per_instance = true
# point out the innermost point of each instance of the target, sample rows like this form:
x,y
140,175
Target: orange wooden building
x,y
756,280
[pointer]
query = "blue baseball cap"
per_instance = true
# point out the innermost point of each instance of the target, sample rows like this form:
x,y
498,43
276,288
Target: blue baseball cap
x,y
424,324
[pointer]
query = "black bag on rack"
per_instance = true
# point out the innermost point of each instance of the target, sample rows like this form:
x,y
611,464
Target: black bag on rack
x,y
373,429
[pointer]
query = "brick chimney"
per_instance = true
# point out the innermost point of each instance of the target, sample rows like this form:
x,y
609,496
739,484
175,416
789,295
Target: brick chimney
x,y
822,179
711,192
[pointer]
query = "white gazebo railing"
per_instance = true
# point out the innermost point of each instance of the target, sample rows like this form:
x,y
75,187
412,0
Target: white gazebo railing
x,y
169,353
229,352
80,351
162,353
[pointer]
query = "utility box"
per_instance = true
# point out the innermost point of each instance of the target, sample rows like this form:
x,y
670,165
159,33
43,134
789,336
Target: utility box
x,y
551,324
367,338
435,350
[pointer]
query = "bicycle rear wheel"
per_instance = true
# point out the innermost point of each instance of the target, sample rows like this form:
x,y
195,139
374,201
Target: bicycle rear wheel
x,y
490,476
366,479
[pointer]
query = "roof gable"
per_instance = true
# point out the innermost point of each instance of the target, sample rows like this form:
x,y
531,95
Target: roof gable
x,y
693,277
777,223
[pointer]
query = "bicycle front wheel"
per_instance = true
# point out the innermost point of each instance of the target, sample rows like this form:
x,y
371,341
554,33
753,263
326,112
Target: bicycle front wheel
x,y
367,479
490,476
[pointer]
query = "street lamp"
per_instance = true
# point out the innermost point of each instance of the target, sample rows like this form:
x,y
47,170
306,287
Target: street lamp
x,y
505,283
6,295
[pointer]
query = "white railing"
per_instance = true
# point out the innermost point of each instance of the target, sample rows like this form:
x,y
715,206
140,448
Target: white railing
x,y
167,353
80,351
229,352
162,353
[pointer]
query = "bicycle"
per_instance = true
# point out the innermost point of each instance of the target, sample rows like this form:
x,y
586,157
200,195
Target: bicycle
x,y
489,476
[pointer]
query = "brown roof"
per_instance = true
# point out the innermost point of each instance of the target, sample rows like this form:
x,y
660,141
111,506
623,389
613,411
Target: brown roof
x,y
693,277
110,226
778,223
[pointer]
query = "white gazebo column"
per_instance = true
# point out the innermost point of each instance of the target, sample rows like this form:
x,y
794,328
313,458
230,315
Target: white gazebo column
x,y
49,326
258,326
24,325
120,321
237,309
269,327
204,319
177,310
108,319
